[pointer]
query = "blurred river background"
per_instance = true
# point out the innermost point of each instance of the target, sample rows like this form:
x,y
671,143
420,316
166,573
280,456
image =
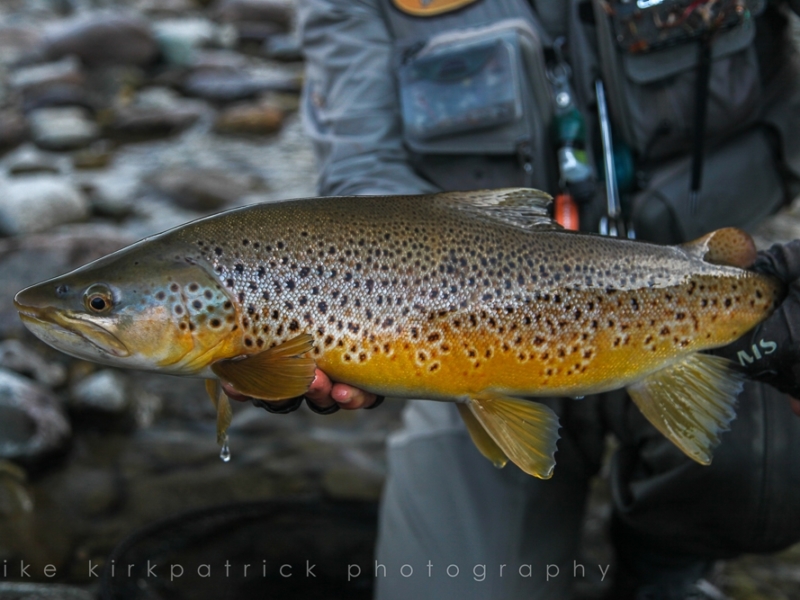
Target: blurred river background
x,y
120,119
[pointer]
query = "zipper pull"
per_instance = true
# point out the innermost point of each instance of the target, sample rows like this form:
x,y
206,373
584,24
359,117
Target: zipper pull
x,y
525,158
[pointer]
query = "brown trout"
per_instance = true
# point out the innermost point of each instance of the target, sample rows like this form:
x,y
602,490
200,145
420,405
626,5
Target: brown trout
x,y
472,297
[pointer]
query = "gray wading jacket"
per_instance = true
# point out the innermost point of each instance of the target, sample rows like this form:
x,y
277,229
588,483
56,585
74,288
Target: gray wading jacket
x,y
352,111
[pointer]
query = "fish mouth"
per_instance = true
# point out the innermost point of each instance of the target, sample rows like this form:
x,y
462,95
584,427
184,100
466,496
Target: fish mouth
x,y
50,324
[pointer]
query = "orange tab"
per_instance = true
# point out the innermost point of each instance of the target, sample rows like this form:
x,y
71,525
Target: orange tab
x,y
430,8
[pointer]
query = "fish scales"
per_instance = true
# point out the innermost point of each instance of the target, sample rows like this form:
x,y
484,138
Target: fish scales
x,y
473,297
461,303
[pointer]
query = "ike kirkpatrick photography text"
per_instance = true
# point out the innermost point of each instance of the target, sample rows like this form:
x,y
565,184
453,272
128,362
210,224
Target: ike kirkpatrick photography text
x,y
310,570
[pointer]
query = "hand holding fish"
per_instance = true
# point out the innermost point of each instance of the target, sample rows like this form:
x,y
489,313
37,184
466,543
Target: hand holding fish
x,y
323,395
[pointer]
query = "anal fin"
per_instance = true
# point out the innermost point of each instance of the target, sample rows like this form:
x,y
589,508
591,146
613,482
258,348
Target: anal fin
x,y
278,373
691,402
481,438
526,432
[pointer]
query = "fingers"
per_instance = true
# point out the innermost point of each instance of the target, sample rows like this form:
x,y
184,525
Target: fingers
x,y
323,393
320,391
350,398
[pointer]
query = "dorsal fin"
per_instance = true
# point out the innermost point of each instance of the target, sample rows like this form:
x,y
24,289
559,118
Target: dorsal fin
x,y
525,208
729,247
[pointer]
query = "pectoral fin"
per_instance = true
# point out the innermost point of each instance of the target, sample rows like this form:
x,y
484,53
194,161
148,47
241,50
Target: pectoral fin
x,y
691,402
526,432
275,374
480,437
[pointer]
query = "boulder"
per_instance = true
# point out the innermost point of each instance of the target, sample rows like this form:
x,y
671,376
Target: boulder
x,y
19,357
255,11
104,391
13,129
32,422
103,39
28,159
39,202
66,70
201,190
62,128
254,119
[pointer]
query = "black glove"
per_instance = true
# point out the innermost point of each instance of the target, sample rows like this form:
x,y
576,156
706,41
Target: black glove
x,y
771,352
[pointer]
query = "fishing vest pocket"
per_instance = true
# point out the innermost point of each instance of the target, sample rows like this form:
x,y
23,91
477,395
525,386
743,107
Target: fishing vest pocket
x,y
481,90
741,187
649,55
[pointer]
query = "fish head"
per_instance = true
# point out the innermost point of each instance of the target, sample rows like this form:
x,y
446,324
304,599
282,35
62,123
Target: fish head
x,y
137,308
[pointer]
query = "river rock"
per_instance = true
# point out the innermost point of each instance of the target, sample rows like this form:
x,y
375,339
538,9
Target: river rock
x,y
13,129
165,8
103,39
40,591
39,202
255,11
18,357
17,42
96,156
180,39
229,86
283,47
131,122
66,70
201,190
258,119
28,159
64,128
32,422
105,391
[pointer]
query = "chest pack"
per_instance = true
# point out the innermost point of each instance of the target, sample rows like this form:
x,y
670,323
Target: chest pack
x,y
474,82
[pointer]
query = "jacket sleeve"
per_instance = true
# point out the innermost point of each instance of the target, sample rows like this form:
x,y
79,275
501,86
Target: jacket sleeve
x,y
350,102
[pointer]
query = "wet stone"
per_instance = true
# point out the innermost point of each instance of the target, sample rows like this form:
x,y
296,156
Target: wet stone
x,y
180,39
283,47
28,159
65,128
105,391
16,42
32,422
255,11
229,86
39,591
38,202
13,129
66,70
256,119
18,357
202,190
103,39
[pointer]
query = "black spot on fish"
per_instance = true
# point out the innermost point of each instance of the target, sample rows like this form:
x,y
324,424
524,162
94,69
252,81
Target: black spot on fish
x,y
218,251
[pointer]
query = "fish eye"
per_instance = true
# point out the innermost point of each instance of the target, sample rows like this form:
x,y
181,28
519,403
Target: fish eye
x,y
98,299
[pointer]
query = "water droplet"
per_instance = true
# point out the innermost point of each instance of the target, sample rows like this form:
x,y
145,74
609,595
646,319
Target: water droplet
x,y
578,397
225,452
